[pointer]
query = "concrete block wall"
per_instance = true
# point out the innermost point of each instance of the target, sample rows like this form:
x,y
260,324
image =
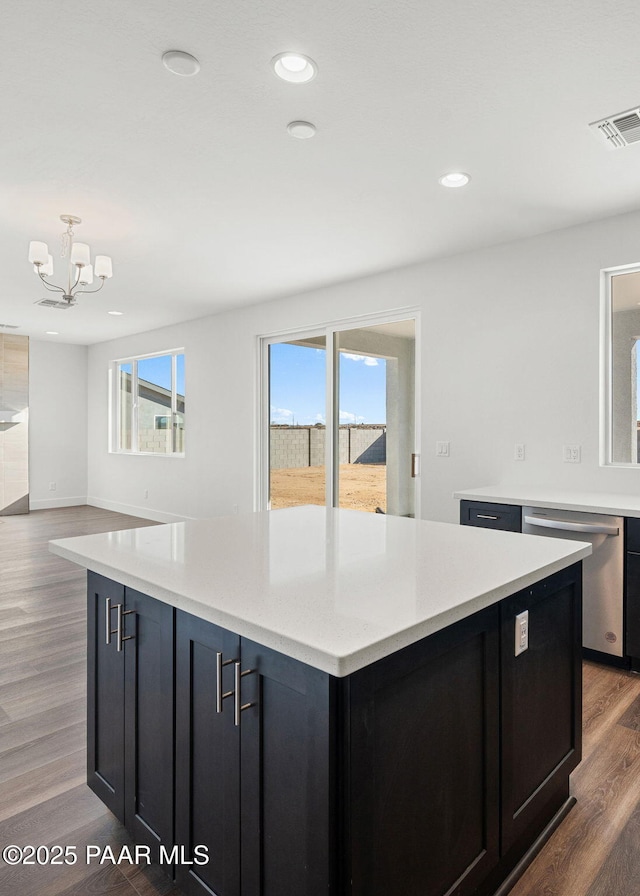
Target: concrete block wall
x,y
367,446
304,446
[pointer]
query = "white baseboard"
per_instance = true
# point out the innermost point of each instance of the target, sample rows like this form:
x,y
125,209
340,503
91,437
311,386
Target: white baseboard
x,y
146,513
49,503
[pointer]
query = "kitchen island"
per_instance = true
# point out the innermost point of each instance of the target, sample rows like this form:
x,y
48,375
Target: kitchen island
x,y
330,702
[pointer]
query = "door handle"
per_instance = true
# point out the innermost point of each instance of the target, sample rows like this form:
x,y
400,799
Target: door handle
x,y
567,526
415,466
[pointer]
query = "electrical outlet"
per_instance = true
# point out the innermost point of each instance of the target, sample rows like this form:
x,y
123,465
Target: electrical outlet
x,y
571,454
146,493
522,632
518,453
442,449
52,486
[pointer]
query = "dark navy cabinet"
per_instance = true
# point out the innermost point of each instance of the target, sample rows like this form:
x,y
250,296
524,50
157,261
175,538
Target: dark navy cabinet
x,y
488,515
130,708
429,772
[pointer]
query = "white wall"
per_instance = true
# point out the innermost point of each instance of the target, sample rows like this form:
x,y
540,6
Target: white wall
x,y
510,353
57,424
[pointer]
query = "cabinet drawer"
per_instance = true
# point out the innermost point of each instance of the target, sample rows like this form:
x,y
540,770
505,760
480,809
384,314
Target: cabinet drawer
x,y
491,516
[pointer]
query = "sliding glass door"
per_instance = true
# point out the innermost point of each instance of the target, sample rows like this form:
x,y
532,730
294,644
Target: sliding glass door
x,y
297,407
339,417
376,414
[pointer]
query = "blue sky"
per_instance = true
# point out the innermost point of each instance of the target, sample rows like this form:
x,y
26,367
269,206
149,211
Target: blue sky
x,y
158,371
298,386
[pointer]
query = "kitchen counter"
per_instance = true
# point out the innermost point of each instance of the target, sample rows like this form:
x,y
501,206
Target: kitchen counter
x,y
615,504
335,589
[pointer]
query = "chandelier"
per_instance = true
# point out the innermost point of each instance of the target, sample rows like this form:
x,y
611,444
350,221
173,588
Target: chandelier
x,y
80,271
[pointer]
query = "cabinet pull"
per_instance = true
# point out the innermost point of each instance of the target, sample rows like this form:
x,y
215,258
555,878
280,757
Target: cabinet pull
x,y
117,631
238,706
219,695
486,516
107,624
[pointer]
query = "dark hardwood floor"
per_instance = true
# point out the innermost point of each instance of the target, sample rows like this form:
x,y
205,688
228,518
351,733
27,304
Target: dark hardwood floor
x,y
44,800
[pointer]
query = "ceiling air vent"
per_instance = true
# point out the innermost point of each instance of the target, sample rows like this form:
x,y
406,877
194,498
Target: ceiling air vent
x,y
54,303
619,130
9,327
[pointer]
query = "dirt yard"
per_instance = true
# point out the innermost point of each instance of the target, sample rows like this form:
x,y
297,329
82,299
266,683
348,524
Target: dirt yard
x,y
362,486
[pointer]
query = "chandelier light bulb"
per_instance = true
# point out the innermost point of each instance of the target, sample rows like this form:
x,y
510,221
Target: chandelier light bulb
x,y
46,269
80,254
86,275
103,267
38,253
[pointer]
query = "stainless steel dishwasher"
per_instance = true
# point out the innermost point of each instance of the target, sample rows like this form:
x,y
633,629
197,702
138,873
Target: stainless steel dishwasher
x,y
602,572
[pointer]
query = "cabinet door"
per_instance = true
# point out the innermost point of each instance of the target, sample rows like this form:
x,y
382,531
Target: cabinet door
x,y
105,697
148,649
632,592
207,759
288,737
424,746
541,705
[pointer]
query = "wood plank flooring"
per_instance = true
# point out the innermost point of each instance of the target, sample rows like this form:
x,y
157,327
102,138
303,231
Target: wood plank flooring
x,y
43,795
44,798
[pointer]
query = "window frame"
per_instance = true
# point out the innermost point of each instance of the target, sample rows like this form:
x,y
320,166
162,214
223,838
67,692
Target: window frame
x,y
607,364
115,423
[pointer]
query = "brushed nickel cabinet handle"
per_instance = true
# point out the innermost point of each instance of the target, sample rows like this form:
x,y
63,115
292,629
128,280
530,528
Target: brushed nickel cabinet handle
x,y
118,630
238,706
107,624
219,666
486,516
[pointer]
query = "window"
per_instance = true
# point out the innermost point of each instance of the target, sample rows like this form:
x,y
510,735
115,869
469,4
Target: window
x,y
621,335
149,398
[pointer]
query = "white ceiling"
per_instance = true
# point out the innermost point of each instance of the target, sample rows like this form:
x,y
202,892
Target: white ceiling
x,y
204,201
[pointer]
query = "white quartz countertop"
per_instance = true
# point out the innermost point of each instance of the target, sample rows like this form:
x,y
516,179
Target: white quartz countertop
x,y
337,589
558,499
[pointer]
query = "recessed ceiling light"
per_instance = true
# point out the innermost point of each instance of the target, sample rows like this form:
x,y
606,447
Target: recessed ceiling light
x,y
181,63
115,313
294,67
455,179
51,333
301,129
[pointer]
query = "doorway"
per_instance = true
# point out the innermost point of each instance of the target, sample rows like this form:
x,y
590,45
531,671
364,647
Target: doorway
x,y
339,418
